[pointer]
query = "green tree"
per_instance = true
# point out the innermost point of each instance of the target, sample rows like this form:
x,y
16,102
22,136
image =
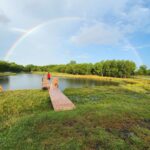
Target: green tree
x,y
98,68
148,72
73,62
4,66
142,70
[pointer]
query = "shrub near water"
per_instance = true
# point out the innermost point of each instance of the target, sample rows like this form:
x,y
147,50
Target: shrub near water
x,y
106,117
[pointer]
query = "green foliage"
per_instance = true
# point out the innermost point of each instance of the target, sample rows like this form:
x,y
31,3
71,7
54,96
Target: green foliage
x,y
10,67
98,69
115,68
148,72
81,69
142,70
30,68
4,66
109,68
112,68
72,62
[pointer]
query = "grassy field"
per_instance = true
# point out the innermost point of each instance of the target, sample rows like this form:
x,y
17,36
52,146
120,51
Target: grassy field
x,y
106,118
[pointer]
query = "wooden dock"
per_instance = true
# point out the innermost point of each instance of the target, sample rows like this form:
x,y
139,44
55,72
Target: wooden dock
x,y
59,101
45,83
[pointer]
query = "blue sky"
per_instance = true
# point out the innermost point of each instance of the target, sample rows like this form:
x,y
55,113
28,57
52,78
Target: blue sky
x,y
56,31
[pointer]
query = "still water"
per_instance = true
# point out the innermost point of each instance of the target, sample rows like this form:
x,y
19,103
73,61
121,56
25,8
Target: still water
x,y
33,81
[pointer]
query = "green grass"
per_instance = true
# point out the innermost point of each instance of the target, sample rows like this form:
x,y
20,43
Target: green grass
x,y
6,74
143,77
106,118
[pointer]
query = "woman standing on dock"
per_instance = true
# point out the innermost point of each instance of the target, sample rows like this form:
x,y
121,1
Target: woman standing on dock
x,y
48,76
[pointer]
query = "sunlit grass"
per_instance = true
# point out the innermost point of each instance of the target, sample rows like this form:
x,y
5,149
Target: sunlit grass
x,y
6,74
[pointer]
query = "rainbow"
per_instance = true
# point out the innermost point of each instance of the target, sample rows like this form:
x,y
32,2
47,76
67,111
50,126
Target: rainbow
x,y
39,26
32,30
135,52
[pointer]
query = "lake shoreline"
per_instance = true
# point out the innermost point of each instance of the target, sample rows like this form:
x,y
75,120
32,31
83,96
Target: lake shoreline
x,y
34,81
2,74
57,74
66,79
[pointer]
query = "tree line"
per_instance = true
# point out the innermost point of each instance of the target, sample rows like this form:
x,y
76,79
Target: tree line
x,y
10,67
112,68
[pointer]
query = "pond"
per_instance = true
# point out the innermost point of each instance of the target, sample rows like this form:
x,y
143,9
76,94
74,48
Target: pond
x,y
34,81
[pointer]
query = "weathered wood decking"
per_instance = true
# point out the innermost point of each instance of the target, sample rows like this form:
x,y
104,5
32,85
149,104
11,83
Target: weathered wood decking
x,y
45,83
59,101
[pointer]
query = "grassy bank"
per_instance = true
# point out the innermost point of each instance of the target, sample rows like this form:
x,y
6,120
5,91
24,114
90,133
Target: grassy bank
x,y
54,74
143,77
134,83
106,117
96,77
6,74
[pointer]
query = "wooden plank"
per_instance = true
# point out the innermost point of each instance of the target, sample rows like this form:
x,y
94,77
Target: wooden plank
x,y
59,101
45,83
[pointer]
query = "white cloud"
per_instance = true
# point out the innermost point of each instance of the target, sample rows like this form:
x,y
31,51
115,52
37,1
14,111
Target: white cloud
x,y
122,20
99,33
105,22
135,19
20,30
28,13
25,12
3,18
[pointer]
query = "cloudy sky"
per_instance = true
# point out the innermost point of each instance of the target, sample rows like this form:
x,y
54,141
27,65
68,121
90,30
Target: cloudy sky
x,y
57,31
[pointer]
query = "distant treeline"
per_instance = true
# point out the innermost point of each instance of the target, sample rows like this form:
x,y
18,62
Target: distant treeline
x,y
112,68
11,67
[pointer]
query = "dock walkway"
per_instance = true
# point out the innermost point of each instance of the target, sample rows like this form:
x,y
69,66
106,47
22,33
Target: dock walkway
x,y
45,83
60,102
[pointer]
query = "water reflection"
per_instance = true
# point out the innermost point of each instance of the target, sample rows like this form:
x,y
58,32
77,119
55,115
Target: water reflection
x,y
4,82
33,81
78,83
